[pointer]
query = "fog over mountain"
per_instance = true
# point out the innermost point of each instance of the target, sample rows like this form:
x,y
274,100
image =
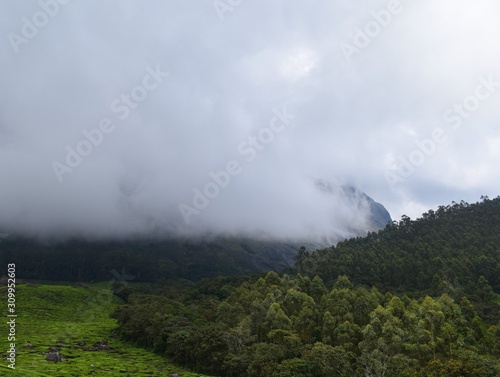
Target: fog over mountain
x,y
127,118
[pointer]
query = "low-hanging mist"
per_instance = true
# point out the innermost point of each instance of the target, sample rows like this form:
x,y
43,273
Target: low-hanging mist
x,y
113,114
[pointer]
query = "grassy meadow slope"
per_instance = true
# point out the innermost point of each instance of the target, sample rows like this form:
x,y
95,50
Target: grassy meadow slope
x,y
63,317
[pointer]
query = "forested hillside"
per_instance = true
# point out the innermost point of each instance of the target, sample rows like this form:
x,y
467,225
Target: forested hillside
x,y
454,249
292,326
418,299
147,260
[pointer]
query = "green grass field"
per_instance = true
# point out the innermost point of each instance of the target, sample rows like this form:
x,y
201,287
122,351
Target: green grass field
x,y
62,316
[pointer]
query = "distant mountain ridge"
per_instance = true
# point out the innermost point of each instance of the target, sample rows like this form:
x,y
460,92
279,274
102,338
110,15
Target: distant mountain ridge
x,y
192,258
379,217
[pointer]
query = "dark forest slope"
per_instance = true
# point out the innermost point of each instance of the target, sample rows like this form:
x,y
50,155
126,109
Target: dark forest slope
x,y
145,260
453,249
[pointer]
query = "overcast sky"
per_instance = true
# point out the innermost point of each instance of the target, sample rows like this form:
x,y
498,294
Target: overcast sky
x,y
399,99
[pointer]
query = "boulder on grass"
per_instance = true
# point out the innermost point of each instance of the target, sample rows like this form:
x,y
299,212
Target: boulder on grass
x,y
101,345
54,357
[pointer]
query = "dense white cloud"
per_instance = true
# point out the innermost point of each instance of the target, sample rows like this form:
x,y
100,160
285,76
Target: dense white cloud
x,y
354,120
